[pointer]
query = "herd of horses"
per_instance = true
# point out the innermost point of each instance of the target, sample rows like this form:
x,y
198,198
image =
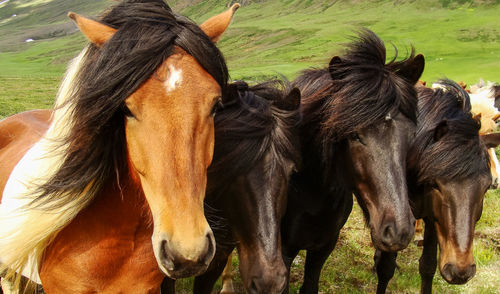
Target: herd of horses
x,y
153,167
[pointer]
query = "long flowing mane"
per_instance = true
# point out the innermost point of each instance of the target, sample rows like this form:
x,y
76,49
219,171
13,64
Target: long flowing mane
x,y
251,124
148,32
85,146
358,92
460,152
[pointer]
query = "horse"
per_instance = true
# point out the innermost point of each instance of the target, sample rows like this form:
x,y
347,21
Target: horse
x,y
485,101
448,175
359,117
106,190
256,150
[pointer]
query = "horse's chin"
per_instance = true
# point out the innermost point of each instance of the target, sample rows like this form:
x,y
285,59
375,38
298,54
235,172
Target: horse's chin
x,y
385,246
185,272
392,248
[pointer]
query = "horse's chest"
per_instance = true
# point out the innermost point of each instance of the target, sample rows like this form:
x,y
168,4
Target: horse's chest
x,y
106,249
312,225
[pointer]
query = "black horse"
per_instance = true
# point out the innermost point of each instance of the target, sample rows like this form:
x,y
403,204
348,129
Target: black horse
x,y
448,175
256,149
359,118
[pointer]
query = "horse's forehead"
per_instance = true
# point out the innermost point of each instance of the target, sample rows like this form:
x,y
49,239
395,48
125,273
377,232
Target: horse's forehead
x,y
181,71
187,64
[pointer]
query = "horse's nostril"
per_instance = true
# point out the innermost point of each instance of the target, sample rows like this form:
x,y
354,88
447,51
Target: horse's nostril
x,y
388,234
165,256
209,254
253,287
282,285
471,271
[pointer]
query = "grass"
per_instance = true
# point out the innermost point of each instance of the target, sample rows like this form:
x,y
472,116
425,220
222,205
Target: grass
x,y
461,43
460,40
268,39
26,93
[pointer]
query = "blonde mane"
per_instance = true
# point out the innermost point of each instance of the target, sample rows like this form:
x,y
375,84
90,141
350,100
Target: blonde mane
x,y
25,231
483,103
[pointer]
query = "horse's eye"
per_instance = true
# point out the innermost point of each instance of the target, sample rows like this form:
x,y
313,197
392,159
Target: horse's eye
x,y
217,106
354,137
434,186
127,112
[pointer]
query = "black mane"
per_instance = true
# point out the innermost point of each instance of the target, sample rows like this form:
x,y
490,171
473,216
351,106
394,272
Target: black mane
x,y
363,90
459,153
251,124
147,32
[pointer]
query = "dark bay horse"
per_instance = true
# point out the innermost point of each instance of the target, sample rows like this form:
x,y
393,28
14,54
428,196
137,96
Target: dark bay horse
x,y
359,117
256,149
448,175
106,192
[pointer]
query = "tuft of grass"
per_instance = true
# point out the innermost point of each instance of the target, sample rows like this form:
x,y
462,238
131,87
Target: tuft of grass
x,y
26,93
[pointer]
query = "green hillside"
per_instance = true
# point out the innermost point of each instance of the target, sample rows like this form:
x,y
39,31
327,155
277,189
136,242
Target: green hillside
x,y
460,40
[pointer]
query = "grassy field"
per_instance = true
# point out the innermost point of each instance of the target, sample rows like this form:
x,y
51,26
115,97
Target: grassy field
x,y
268,38
460,40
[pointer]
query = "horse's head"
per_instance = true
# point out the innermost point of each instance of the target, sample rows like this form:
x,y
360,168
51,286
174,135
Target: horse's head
x,y
255,152
448,163
377,156
373,114
456,206
168,120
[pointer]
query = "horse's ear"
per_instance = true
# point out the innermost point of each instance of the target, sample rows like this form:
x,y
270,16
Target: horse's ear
x,y
291,102
232,90
230,93
96,32
412,70
332,65
496,117
496,95
491,140
440,130
477,118
215,26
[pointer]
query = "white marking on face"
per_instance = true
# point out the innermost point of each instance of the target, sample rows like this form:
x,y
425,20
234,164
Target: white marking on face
x,y
174,78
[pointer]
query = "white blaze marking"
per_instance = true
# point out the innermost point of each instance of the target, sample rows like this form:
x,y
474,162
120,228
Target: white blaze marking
x,y
174,78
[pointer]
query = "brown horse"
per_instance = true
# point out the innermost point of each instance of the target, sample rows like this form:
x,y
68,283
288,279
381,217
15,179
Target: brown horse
x,y
256,150
106,192
359,117
448,175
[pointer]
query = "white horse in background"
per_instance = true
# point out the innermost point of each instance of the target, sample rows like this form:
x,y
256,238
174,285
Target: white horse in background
x,y
485,103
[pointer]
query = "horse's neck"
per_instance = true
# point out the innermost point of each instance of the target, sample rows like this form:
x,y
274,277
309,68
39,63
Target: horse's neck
x,y
420,202
127,188
216,212
321,179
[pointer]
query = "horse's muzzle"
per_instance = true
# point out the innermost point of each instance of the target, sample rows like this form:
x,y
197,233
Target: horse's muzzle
x,y
455,275
393,237
177,265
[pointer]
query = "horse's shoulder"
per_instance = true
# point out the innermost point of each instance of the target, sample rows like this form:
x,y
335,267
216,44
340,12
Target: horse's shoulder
x,y
24,122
